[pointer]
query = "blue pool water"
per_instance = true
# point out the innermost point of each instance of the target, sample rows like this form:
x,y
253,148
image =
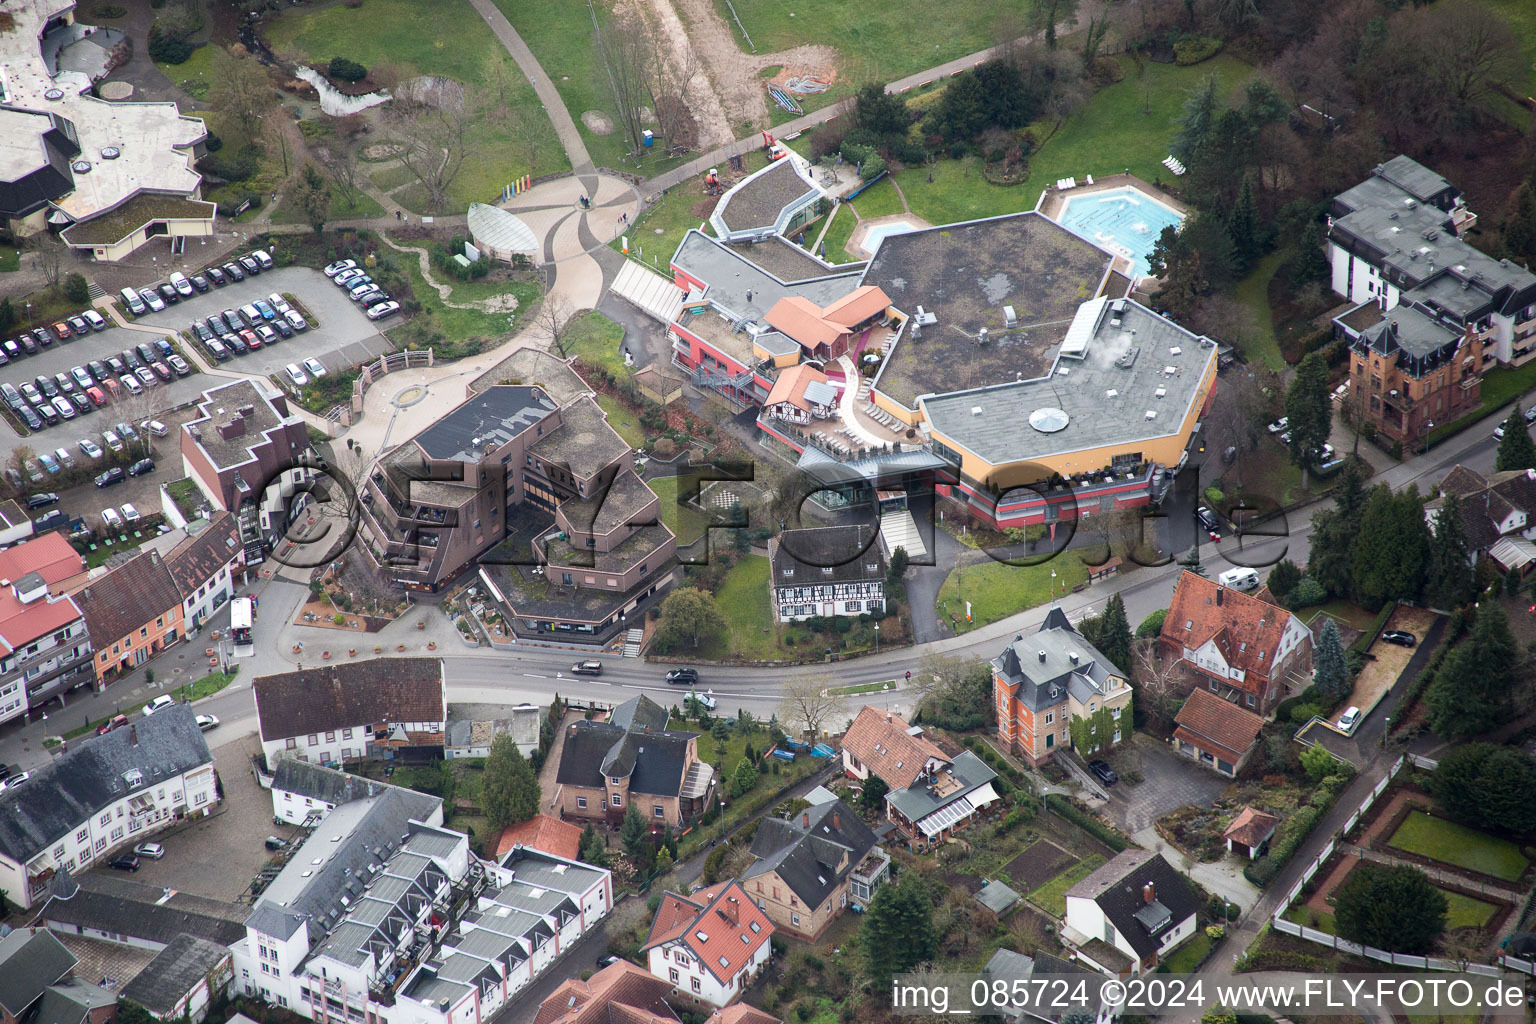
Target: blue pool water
x,y
878,233
1126,221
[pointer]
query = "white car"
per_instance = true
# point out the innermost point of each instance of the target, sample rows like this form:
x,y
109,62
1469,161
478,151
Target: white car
x,y
1279,424
339,266
706,700
343,278
91,448
113,441
131,384
315,367
278,303
154,851
160,703
15,780
152,299
1349,719
131,514
155,427
206,722
296,375
383,310
296,320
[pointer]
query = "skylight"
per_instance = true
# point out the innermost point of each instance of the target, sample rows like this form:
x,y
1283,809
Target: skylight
x,y
701,936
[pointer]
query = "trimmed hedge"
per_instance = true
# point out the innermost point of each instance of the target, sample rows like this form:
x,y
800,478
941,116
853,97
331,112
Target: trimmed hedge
x,y
1293,831
1194,49
1087,822
1364,641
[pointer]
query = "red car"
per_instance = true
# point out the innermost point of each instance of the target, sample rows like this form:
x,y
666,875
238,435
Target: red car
x,y
251,341
116,722
95,395
161,370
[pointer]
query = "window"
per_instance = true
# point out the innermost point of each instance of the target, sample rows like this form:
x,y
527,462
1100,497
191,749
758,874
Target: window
x,y
290,744
794,919
143,632
82,835
313,739
615,799
581,802
346,734
330,737
1050,716
1250,700
1214,687
659,812
696,986
672,975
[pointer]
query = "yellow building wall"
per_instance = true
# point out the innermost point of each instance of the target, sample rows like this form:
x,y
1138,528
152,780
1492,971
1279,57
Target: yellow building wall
x,y
175,228
894,408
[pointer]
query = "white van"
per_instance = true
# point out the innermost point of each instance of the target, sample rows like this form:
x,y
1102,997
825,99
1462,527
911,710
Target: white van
x,y
132,301
260,256
1239,579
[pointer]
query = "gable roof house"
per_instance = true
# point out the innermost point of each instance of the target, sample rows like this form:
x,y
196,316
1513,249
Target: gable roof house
x,y
621,993
1497,511
1240,648
809,867
31,959
45,646
1220,734
104,793
183,979
801,394
827,571
133,612
1131,911
1250,830
710,945
1045,682
632,757
104,907
930,795
336,713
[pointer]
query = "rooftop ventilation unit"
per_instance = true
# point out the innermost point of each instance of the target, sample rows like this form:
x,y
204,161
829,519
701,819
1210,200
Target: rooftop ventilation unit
x,y
1175,350
1151,414
1111,393
1161,392
1170,370
975,410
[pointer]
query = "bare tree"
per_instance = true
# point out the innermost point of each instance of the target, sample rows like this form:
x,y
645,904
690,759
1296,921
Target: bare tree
x,y
1160,683
527,128
670,72
340,161
501,76
433,139
48,257
804,701
625,48
553,318
136,410
241,92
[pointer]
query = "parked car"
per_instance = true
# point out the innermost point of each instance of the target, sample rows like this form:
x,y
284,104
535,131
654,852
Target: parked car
x,y
152,299
131,384
296,375
115,722
97,397
61,328
141,467
162,371
298,323
160,703
1400,637
704,700
233,270
280,325
64,458
339,266
154,851
124,862
112,440
276,843
265,309
46,385
369,297
130,513
181,284
65,382
346,275
315,367
42,499
78,325
50,463
217,277
206,722
82,404
116,366
126,432
383,310
49,414
1349,719
111,522
91,448
12,349
81,377
217,350
130,359
683,676
42,337
65,407
200,282
1103,772
107,478
267,335
202,331
16,780
587,668
1207,519
249,264
179,365
147,377
261,257
133,300
277,302
155,427
28,344
169,293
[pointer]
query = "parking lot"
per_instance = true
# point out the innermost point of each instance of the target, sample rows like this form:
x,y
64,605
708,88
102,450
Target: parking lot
x,y
344,335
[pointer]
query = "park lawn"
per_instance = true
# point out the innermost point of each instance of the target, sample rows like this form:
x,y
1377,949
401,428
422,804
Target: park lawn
x,y
624,422
595,339
858,688
1052,896
1187,957
751,633
459,324
10,259
660,230
838,233
388,179
1452,843
879,200
194,76
288,212
1253,292
1466,912
997,590
685,521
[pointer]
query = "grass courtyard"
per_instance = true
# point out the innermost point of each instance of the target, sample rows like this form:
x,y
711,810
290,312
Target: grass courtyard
x,y
194,76
595,340
1463,847
1466,912
997,590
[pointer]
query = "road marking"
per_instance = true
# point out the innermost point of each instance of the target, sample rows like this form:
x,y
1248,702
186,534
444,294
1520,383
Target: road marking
x,y
531,675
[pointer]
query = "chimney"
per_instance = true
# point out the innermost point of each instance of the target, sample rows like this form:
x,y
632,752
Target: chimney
x,y
1146,893
133,734
733,910
887,716
1042,657
805,819
1218,596
837,821
1073,656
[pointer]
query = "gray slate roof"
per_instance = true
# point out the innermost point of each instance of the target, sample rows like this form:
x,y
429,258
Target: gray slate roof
x,y
799,558
732,277
30,961
174,972
997,897
806,850
69,1002
634,742
1044,660
916,803
324,784
117,905
100,771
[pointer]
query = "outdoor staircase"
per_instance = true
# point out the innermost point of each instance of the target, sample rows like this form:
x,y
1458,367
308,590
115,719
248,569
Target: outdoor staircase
x,y
632,641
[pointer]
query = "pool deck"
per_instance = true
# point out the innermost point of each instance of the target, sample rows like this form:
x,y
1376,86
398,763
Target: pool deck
x,y
1052,200
856,240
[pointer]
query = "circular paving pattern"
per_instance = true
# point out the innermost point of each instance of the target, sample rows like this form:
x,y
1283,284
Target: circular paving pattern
x,y
409,396
115,90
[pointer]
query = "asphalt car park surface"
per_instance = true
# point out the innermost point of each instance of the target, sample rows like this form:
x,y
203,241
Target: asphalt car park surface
x,y
345,335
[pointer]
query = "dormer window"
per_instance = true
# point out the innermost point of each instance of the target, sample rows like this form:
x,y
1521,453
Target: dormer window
x,y
826,570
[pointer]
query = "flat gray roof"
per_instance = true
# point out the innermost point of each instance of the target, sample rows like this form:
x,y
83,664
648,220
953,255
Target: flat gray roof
x,y
731,277
1131,359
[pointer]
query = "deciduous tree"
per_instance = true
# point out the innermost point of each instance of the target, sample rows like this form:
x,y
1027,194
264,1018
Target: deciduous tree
x,y
432,130
806,707
312,195
242,93
688,617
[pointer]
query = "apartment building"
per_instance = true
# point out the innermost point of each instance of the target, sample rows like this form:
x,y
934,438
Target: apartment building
x,y
45,644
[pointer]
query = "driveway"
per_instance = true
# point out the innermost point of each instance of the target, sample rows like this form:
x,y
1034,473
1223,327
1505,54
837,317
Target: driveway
x,y
343,338
1169,782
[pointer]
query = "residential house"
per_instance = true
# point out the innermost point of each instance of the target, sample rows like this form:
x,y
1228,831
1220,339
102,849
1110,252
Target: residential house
x,y
183,980
301,790
396,707
1014,971
827,571
632,758
1237,646
248,455
810,867
1220,734
1045,683
1136,906
540,832
711,945
45,644
620,993
1496,512
929,795
133,612
104,906
1250,832
1411,369
204,566
105,792
473,739
38,986
15,524
800,395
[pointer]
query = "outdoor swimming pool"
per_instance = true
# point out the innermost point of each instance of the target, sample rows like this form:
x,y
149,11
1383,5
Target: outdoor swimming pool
x,y
877,233
1126,221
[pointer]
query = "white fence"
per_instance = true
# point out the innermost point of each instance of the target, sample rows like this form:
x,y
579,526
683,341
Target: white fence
x,y
1280,924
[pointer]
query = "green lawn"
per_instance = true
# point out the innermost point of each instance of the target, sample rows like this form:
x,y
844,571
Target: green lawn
x,y
1500,387
388,179
879,200
1188,956
1310,918
1345,611
458,324
1125,125
838,234
858,688
1521,15
997,590
626,423
1451,843
1052,896
595,339
207,686
428,37
287,211
1253,292
10,259
1466,912
660,230
195,75
743,599
687,522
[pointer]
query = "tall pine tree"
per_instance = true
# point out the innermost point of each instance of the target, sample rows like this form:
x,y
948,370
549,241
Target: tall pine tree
x,y
1329,671
1334,532
1450,582
1516,449
898,931
1391,548
1114,640
1243,227
1470,694
1309,411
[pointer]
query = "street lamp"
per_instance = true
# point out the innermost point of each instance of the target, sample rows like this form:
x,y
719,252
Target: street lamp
x,y
877,638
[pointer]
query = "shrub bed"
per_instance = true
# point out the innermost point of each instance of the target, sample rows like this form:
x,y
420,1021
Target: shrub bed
x,y
1194,49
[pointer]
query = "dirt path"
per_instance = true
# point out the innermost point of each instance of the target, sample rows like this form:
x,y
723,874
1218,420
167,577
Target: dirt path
x,y
899,193
495,304
683,59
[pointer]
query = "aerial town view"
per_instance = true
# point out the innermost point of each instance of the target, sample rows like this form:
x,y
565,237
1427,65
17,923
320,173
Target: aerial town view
x,y
712,512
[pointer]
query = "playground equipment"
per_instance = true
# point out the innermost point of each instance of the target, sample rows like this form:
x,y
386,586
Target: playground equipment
x,y
517,187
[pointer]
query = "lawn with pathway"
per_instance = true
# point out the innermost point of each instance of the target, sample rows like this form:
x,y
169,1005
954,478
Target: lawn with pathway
x,y
1458,845
997,590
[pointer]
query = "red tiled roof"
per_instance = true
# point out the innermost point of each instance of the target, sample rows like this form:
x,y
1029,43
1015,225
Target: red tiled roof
x,y
880,740
55,560
1217,726
801,319
1251,827
719,928
620,993
790,387
542,832
741,1013
857,306
1246,630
